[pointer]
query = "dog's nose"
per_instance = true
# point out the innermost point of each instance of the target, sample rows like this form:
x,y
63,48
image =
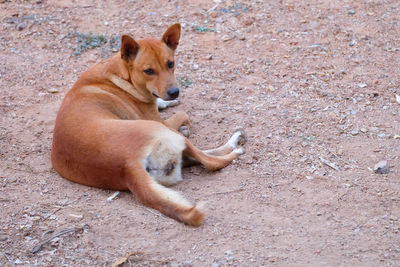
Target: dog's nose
x,y
173,92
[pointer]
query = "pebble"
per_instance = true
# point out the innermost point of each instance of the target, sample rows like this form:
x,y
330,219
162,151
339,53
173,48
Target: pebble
x,y
76,216
53,90
381,167
3,237
397,99
229,252
213,14
362,85
364,130
381,135
226,38
332,115
354,132
21,26
209,57
271,88
352,43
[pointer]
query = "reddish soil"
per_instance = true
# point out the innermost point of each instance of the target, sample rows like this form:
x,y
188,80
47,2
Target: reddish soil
x,y
313,83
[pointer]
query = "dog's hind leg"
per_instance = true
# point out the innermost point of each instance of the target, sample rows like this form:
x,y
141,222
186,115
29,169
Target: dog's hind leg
x,y
223,150
211,162
228,147
163,199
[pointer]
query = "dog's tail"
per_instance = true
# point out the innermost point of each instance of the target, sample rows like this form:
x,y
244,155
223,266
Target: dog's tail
x,y
161,198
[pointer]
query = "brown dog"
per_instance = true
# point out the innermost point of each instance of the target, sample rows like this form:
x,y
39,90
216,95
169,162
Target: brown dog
x,y
109,133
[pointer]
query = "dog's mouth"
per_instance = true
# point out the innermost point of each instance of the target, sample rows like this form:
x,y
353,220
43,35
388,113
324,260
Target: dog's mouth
x,y
157,96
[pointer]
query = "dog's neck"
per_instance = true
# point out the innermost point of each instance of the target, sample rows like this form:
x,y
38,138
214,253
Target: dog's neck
x,y
130,89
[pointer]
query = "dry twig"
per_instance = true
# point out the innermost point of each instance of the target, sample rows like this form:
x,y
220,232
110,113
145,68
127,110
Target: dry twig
x,y
39,246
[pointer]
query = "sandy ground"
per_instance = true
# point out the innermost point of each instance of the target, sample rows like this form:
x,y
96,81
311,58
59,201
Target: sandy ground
x,y
313,83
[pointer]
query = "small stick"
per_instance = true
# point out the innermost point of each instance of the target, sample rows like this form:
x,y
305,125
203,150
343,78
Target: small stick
x,y
330,164
114,195
39,246
213,8
48,215
60,207
155,213
225,192
120,261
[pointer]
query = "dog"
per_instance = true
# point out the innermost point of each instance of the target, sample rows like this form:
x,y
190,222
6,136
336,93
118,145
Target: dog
x,y
109,133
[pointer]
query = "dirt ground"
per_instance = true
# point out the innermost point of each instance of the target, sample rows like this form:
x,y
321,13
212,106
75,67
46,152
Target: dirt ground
x,y
313,83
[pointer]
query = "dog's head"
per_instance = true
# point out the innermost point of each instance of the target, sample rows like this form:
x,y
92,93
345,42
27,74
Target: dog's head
x,y
151,63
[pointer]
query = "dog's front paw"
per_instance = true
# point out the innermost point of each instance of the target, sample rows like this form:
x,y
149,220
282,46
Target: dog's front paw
x,y
173,103
182,117
184,130
238,138
163,104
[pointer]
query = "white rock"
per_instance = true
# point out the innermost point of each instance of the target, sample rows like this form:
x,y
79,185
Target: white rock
x,y
381,167
362,85
397,98
53,90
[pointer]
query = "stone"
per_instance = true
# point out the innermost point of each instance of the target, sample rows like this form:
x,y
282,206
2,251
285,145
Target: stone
x,y
3,237
397,97
354,132
332,115
381,135
53,90
226,38
381,167
21,26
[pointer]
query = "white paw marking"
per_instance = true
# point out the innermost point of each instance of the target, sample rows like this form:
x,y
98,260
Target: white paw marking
x,y
162,104
234,140
173,103
239,151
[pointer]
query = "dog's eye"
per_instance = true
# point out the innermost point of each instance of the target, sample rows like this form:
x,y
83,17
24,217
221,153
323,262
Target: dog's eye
x,y
149,71
170,64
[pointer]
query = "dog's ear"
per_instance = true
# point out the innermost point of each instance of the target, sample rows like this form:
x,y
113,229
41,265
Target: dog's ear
x,y
172,35
129,48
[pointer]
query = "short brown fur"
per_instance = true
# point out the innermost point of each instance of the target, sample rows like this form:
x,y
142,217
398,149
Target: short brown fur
x,y
108,128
